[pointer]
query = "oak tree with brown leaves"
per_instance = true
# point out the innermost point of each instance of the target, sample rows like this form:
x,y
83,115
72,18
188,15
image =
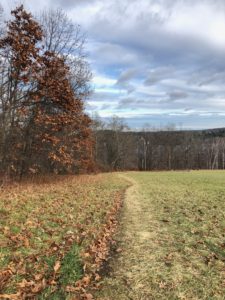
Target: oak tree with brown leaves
x,y
42,121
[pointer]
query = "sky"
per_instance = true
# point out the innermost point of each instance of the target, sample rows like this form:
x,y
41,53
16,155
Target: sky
x,y
154,62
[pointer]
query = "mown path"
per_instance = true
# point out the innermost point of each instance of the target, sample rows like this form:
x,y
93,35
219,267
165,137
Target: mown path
x,y
171,237
137,241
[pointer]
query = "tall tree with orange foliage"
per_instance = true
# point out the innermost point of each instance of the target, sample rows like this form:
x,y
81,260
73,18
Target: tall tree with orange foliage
x,y
43,124
20,64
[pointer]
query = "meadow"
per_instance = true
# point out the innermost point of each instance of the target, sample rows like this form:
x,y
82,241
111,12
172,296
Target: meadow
x,y
57,234
172,238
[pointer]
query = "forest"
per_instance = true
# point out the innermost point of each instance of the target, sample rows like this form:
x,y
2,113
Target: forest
x,y
119,148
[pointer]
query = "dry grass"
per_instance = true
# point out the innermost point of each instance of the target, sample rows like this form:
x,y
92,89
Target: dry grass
x,y
172,236
45,225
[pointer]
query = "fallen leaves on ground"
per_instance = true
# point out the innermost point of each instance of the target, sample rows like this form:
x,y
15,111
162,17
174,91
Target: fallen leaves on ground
x,y
43,221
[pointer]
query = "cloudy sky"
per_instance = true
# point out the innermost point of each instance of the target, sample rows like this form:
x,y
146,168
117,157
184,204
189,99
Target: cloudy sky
x,y
153,61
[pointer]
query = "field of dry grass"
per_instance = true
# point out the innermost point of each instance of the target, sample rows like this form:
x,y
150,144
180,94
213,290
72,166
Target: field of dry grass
x,y
172,238
54,233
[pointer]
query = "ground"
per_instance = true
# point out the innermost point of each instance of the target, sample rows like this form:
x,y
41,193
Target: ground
x,y
49,228
171,238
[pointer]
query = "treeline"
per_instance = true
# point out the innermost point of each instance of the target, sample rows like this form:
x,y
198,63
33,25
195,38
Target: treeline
x,y
44,79
118,148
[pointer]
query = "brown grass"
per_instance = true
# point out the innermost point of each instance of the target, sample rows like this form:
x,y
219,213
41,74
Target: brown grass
x,y
172,238
41,222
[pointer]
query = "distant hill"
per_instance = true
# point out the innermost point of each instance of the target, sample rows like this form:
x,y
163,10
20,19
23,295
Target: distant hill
x,y
161,150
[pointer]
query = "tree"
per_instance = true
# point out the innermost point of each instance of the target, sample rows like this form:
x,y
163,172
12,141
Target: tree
x,y
118,144
42,119
1,21
64,38
19,68
98,126
59,127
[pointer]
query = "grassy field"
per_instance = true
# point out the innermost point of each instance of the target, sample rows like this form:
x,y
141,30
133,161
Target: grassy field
x,y
172,238
51,230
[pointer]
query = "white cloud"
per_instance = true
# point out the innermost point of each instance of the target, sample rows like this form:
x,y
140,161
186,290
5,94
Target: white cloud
x,y
200,20
167,56
101,81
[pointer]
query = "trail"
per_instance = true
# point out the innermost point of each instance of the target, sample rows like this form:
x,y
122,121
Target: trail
x,y
166,223
128,279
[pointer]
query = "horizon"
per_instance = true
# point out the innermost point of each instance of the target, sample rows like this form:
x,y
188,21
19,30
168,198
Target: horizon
x,y
164,63
164,129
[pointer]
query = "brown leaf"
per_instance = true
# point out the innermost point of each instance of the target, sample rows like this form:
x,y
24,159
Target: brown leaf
x,y
72,289
97,277
11,296
39,287
88,296
118,250
26,243
4,277
86,280
57,266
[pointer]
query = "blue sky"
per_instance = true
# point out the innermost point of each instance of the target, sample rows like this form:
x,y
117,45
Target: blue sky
x,y
153,62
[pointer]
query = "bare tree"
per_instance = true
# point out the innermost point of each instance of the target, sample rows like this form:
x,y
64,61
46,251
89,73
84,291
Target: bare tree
x,y
223,153
2,27
97,128
66,39
115,148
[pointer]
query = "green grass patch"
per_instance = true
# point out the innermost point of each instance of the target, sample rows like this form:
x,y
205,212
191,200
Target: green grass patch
x,y
71,267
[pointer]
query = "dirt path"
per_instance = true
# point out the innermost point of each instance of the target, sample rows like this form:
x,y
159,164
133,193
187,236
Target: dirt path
x,y
128,278
171,229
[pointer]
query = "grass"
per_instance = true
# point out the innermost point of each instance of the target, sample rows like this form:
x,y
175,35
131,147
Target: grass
x,y
191,210
172,235
71,269
42,223
173,238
